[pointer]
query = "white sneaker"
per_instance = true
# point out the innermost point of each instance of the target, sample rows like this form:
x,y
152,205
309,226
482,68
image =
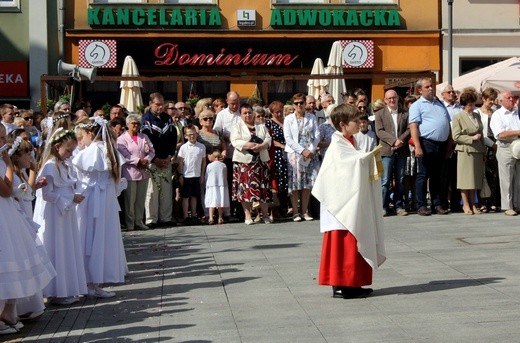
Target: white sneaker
x,y
64,301
297,218
307,217
100,293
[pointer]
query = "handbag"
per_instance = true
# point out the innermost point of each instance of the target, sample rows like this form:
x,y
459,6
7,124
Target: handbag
x,y
257,140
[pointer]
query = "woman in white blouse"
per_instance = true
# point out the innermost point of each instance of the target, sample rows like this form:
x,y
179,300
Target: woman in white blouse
x,y
302,137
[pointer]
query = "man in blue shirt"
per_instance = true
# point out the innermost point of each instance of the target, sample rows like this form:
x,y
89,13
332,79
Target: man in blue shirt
x,y
430,130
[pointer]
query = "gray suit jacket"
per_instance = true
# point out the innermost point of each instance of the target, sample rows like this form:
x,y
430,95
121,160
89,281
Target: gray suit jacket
x,y
385,131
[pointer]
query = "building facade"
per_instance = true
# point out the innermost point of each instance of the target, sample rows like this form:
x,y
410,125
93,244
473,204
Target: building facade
x,y
484,32
207,47
29,41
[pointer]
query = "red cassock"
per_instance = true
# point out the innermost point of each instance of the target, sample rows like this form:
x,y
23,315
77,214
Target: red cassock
x,y
341,264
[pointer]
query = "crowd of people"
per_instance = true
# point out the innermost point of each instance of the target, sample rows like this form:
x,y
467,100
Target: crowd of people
x,y
224,160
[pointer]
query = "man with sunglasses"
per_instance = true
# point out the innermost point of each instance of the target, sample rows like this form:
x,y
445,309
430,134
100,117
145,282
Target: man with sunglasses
x,y
505,125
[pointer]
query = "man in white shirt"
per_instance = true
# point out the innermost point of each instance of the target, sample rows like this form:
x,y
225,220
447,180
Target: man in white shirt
x,y
7,112
226,119
449,100
310,107
505,125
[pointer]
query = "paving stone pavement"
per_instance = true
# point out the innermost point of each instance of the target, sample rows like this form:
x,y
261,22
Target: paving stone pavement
x,y
453,278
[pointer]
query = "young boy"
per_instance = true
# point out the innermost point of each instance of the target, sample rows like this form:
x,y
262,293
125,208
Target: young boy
x,y
192,165
351,218
366,139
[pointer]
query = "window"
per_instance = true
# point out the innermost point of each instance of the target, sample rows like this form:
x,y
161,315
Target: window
x,y
300,1
189,1
373,2
9,5
116,1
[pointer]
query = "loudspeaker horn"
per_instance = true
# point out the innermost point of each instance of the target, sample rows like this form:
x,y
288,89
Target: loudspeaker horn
x,y
77,72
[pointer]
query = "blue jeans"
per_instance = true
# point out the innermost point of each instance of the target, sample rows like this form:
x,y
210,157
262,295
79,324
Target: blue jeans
x,y
394,170
429,168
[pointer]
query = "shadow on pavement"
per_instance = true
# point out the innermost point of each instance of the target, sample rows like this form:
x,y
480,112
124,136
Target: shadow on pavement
x,y
434,286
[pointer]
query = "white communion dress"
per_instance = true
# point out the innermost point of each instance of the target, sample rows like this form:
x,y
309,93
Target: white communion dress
x,y
23,273
98,216
55,211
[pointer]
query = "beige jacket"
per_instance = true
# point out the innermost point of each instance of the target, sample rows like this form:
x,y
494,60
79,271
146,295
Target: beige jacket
x,y
240,135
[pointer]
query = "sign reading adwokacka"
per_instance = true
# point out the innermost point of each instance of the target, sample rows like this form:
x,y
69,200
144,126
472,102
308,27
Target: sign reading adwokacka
x,y
124,16
312,18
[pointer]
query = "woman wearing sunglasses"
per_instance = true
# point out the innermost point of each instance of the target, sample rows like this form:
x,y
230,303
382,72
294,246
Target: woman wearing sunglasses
x,y
209,137
302,137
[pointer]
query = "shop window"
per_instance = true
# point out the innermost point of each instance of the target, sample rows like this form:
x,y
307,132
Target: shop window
x,y
374,2
9,5
300,1
190,1
117,1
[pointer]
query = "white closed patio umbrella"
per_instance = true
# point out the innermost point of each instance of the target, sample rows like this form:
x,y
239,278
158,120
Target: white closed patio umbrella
x,y
130,89
316,86
335,67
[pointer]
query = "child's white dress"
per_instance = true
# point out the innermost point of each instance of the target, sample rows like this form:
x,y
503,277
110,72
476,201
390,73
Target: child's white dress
x,y
217,194
23,194
55,211
98,216
22,271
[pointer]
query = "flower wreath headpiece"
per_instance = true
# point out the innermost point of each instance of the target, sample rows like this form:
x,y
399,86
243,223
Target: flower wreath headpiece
x,y
59,134
61,116
15,146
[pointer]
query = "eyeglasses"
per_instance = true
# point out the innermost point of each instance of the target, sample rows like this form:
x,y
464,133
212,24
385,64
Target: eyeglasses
x,y
509,98
27,118
362,108
207,118
181,108
392,98
260,116
298,103
171,108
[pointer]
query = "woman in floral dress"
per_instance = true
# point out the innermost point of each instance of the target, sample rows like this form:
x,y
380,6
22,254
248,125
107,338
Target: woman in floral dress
x,y
302,138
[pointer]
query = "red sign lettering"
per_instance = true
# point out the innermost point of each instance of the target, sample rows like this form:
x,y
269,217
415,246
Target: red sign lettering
x,y
168,54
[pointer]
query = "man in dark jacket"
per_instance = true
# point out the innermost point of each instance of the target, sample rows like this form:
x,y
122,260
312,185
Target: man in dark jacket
x,y
159,127
392,130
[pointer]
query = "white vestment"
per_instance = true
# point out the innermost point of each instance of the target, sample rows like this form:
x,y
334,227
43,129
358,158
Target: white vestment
x,y
349,189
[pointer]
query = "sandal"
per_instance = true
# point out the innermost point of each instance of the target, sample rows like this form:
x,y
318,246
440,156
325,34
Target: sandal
x,y
484,209
221,220
8,330
211,222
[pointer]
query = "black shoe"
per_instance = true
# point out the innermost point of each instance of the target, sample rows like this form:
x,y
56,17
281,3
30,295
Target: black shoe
x,y
440,210
423,211
336,292
355,292
167,223
152,225
187,221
